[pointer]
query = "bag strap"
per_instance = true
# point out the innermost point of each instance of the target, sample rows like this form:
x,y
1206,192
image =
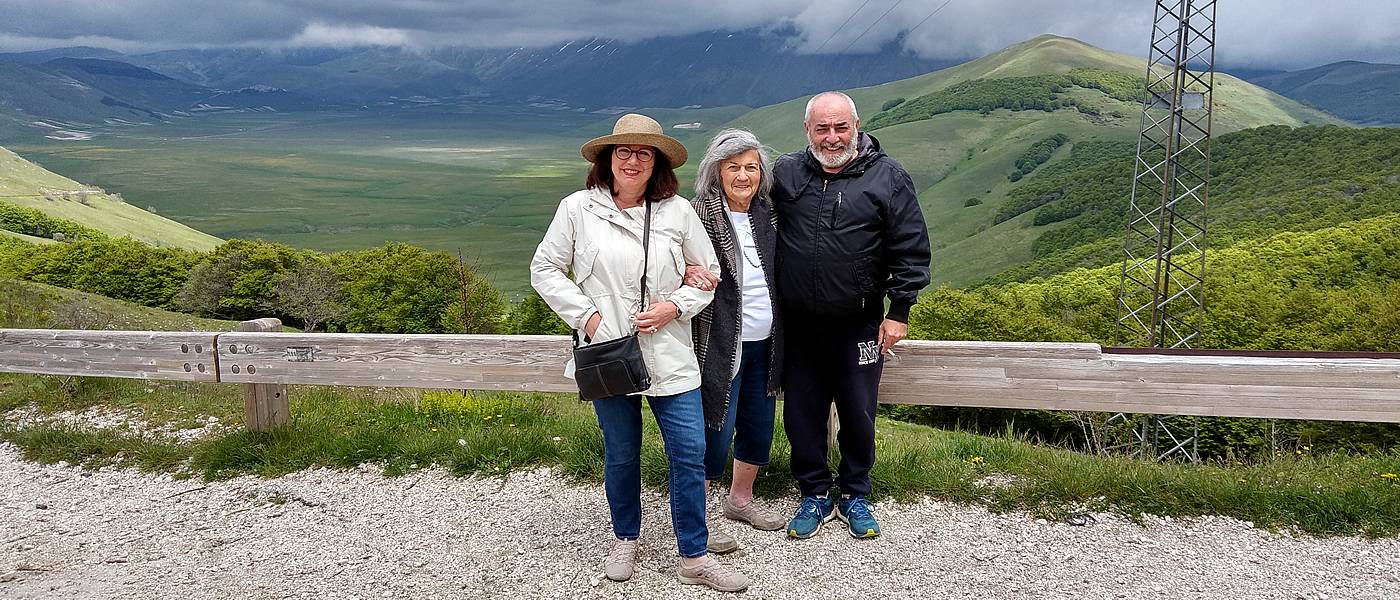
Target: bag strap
x,y
646,237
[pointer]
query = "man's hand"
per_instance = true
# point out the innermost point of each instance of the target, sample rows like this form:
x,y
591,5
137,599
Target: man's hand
x,y
591,327
657,316
891,332
700,278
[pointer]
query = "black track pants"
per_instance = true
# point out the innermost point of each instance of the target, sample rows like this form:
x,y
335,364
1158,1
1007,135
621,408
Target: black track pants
x,y
831,358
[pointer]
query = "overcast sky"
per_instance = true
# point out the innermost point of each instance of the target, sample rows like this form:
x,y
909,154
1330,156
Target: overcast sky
x,y
1253,33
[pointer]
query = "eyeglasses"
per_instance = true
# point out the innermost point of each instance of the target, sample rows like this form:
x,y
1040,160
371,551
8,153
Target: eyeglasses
x,y
644,155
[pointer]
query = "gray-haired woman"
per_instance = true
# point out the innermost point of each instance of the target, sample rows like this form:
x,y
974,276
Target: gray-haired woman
x,y
738,337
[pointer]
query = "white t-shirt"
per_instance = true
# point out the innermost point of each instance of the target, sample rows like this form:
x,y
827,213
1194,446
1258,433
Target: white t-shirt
x,y
757,306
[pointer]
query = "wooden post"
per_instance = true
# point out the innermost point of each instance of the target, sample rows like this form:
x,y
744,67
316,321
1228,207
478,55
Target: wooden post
x,y
264,404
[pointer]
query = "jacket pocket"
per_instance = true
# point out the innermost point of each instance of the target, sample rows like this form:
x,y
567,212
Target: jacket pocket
x,y
864,277
584,261
672,275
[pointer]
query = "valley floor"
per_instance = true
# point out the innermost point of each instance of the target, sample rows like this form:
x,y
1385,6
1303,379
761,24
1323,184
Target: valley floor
x,y
115,533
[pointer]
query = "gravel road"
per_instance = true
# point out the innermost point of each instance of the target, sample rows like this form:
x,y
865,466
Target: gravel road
x,y
69,533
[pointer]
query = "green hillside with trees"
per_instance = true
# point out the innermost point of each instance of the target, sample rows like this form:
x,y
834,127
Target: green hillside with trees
x,y
965,131
396,288
1264,181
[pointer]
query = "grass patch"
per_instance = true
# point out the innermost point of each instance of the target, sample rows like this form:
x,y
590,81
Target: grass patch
x,y
496,433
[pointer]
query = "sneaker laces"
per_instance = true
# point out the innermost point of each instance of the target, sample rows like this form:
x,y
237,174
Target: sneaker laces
x,y
624,551
858,508
810,508
714,570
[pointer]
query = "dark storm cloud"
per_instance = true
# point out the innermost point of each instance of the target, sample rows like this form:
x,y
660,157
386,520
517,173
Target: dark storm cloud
x,y
1261,33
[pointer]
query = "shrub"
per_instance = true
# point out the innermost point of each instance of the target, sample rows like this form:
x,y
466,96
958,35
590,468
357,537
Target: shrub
x,y
31,221
120,268
238,281
534,317
398,288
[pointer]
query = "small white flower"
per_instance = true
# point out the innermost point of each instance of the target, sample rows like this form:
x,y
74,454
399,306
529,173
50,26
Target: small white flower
x,y
558,439
461,442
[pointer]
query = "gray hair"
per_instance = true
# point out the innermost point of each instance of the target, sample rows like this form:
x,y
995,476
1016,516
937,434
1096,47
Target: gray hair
x,y
725,145
807,114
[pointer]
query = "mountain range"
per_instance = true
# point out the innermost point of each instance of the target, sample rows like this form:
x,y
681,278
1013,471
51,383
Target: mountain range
x,y
749,68
717,68
1365,93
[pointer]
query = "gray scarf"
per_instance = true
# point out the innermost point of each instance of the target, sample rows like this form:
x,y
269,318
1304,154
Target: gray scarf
x,y
717,329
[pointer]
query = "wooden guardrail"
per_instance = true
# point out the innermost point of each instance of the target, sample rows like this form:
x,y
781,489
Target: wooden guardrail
x,y
1025,375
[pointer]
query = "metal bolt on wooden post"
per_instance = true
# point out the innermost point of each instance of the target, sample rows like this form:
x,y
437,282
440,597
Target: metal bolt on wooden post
x,y
264,404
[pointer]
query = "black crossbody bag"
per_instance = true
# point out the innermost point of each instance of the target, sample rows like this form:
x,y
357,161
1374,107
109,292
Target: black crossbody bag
x,y
615,367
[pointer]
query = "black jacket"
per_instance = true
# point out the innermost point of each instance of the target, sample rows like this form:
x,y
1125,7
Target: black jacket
x,y
847,239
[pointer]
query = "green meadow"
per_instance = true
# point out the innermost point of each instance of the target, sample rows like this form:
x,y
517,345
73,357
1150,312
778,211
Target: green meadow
x,y
482,182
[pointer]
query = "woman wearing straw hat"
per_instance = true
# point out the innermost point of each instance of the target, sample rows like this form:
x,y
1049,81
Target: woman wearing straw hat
x,y
630,216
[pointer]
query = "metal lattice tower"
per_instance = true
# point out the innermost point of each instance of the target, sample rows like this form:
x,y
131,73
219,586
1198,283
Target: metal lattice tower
x,y
1161,298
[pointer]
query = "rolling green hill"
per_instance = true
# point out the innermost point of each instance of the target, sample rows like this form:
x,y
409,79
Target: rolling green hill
x,y
1265,180
963,159
28,238
35,305
28,185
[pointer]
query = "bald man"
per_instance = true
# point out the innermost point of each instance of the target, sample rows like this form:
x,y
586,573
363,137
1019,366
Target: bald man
x,y
850,235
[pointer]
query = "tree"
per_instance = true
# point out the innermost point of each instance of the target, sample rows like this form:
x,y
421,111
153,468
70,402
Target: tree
x,y
209,283
239,280
534,317
312,293
398,288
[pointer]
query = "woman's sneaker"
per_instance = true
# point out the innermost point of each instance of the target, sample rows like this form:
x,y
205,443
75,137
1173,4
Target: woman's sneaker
x,y
715,574
813,511
721,543
753,514
855,511
621,561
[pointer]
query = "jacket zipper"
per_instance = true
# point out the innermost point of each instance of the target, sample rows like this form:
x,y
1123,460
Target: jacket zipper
x,y
836,210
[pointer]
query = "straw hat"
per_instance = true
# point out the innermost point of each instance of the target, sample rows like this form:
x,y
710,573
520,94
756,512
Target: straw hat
x,y
637,129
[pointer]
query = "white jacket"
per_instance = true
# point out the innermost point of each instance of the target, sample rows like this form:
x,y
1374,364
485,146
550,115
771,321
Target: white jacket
x,y
602,247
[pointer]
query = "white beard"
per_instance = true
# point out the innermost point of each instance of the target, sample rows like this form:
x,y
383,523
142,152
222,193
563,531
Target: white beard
x,y
833,162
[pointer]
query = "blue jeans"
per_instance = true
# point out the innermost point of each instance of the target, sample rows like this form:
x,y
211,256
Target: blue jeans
x,y
682,423
749,422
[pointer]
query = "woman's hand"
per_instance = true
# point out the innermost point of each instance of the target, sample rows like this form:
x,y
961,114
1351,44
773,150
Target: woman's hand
x,y
657,316
700,278
591,327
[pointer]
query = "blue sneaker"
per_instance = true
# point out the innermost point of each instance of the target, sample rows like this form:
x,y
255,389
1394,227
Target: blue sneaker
x,y
813,511
855,511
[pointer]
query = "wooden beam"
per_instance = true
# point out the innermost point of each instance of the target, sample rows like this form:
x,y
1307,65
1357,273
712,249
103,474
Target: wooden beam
x,y
1042,376
481,362
265,405
177,356
1322,388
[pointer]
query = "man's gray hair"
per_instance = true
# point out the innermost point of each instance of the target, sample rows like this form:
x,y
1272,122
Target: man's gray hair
x,y
725,145
807,114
